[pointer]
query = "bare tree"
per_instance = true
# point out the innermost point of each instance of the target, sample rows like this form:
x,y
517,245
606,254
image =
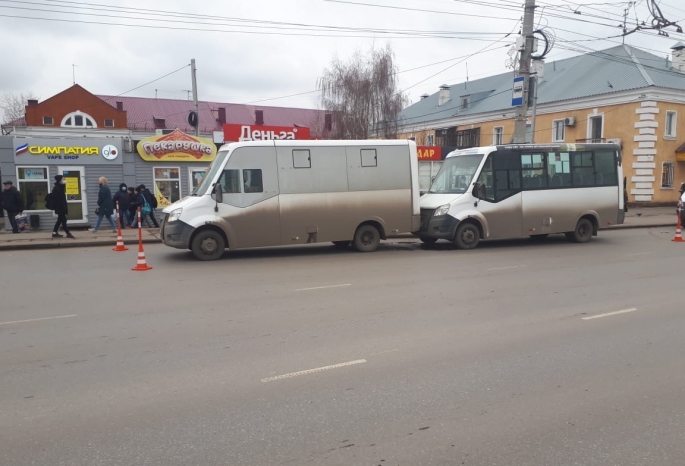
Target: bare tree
x,y
362,95
13,105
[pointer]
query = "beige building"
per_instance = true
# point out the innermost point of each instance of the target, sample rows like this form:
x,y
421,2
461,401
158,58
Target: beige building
x,y
622,95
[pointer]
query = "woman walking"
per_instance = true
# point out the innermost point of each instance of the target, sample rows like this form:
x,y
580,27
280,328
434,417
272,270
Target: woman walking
x,y
59,204
105,206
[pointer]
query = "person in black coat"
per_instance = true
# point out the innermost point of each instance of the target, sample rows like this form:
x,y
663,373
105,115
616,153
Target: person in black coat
x,y
150,198
59,199
105,206
13,203
139,201
124,200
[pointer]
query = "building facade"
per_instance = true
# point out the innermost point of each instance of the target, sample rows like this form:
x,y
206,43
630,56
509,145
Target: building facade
x,y
622,95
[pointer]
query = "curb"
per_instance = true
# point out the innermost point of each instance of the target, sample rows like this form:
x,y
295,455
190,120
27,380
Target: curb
x,y
73,244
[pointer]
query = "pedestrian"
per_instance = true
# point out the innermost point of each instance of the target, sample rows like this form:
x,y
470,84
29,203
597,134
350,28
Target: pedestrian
x,y
105,206
13,203
131,208
152,200
122,198
60,206
140,201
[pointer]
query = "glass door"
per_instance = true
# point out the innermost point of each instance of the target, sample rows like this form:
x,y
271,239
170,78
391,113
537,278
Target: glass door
x,y
76,195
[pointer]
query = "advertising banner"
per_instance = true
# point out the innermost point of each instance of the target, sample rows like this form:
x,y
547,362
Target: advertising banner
x,y
235,133
176,147
427,153
82,151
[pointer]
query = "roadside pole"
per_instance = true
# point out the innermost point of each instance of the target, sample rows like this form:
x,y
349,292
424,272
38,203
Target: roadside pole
x,y
524,71
197,114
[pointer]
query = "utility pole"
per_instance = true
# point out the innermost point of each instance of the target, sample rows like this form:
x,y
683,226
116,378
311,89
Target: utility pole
x,y
524,70
73,72
197,115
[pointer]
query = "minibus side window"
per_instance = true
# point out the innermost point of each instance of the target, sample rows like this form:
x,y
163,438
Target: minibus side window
x,y
230,181
486,179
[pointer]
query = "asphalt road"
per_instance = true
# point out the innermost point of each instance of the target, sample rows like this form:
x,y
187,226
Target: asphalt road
x,y
311,355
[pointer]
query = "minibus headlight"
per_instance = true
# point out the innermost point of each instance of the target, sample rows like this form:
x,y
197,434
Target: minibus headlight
x,y
442,210
174,215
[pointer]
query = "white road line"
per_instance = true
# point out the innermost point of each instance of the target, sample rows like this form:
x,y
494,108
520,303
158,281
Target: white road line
x,y
312,371
324,287
384,352
507,268
637,254
35,320
624,311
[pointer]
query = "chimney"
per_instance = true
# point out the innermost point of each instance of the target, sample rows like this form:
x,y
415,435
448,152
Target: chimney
x,y
328,122
679,57
32,103
120,106
424,96
444,96
222,116
538,69
259,117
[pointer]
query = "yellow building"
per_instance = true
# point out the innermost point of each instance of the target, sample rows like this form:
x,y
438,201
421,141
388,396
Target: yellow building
x,y
622,95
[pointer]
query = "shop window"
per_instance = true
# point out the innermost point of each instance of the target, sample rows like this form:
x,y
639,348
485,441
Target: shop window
x,y
429,140
667,169
196,176
167,185
48,121
34,185
427,172
109,123
78,120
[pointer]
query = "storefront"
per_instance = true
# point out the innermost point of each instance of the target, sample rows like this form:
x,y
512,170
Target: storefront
x,y
82,162
172,165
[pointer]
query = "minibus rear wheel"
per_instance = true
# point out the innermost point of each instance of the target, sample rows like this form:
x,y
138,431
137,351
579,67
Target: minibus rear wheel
x,y
208,245
583,232
366,238
467,236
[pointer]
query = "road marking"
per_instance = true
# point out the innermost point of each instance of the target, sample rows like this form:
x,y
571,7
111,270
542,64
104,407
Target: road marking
x,y
384,352
35,320
507,268
324,287
637,254
312,371
624,311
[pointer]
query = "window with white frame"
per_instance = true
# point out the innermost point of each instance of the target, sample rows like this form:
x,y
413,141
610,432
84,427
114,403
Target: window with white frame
x,y
667,172
427,171
167,185
78,119
34,185
671,122
429,139
558,131
498,136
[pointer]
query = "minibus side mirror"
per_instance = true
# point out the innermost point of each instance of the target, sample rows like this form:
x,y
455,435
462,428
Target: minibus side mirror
x,y
476,190
218,193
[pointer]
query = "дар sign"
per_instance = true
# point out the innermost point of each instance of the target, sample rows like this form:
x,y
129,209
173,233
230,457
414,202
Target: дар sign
x,y
176,146
83,151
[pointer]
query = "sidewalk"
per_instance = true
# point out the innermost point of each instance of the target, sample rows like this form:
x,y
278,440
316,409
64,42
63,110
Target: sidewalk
x,y
648,217
43,240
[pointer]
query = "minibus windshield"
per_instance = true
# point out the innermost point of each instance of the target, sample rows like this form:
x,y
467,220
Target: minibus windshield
x,y
215,166
456,174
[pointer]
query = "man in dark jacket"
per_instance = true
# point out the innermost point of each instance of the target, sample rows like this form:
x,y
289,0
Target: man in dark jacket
x,y
60,207
150,198
13,203
123,199
138,202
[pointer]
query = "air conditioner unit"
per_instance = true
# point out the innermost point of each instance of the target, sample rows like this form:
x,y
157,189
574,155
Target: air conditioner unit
x,y
162,132
570,121
615,141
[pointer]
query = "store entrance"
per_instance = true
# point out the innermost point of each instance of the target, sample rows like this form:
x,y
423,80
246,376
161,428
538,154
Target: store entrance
x,y
76,195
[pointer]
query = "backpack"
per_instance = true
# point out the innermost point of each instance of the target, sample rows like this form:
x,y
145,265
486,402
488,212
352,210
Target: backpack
x,y
146,209
153,199
50,201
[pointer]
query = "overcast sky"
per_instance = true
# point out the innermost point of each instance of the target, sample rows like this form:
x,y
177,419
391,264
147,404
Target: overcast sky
x,y
267,63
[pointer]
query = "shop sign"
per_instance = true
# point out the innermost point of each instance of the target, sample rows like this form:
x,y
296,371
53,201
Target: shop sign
x,y
82,151
427,153
176,147
234,133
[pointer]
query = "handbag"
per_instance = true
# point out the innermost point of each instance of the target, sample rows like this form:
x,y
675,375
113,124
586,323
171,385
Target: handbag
x,y
97,211
146,207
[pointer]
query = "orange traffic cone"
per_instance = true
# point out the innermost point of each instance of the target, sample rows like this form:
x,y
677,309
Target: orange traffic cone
x,y
141,265
678,231
120,239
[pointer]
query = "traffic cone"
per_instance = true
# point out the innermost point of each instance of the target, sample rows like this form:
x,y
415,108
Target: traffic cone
x,y
678,232
120,239
141,266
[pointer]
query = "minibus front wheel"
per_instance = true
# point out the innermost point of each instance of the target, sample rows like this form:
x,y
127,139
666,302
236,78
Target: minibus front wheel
x,y
208,245
467,236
